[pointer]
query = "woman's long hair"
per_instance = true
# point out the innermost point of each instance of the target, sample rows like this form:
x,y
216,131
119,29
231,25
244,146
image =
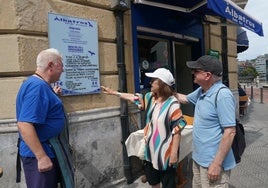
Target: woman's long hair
x,y
165,91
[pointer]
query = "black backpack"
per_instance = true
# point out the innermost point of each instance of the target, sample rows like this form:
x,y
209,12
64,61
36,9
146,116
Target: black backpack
x,y
239,142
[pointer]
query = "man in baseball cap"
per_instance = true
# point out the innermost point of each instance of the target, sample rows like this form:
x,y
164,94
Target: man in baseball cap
x,y
213,126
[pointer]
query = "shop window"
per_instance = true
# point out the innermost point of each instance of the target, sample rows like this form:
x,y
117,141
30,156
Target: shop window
x,y
153,54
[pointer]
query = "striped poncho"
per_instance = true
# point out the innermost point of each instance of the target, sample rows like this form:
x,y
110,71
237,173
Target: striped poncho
x,y
162,121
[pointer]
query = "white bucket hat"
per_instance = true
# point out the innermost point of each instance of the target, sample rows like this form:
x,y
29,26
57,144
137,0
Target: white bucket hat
x,y
162,74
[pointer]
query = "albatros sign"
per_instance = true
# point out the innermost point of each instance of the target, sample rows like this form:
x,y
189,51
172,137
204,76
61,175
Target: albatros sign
x,y
229,10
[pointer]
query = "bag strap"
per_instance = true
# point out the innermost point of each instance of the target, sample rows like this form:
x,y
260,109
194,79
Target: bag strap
x,y
217,95
216,98
18,164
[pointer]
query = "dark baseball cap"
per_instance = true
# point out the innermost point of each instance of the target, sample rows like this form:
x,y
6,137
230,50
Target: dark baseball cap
x,y
207,63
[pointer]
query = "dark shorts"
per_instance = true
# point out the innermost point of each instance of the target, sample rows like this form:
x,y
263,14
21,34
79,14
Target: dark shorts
x,y
36,179
166,177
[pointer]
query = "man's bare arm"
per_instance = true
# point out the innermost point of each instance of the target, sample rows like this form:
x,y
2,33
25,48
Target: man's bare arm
x,y
215,167
30,137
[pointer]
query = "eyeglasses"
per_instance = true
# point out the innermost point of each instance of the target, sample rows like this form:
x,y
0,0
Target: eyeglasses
x,y
194,71
197,70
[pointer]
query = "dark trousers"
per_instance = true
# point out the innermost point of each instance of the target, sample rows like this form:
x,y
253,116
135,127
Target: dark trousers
x,y
166,177
36,179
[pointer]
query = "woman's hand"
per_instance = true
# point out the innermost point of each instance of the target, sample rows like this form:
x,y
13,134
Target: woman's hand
x,y
134,98
173,161
108,90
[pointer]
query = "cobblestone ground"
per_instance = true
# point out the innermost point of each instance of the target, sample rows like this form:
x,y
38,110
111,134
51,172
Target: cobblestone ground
x,y
252,171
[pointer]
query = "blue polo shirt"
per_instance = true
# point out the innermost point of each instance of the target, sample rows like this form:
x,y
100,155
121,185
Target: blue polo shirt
x,y
209,122
38,104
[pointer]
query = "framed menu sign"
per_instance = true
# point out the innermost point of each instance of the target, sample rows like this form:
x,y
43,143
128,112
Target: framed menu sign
x,y
77,40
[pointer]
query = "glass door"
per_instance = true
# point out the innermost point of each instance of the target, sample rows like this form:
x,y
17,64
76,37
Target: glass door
x,y
184,79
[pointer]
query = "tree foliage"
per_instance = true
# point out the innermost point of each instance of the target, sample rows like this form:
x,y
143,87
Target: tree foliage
x,y
249,72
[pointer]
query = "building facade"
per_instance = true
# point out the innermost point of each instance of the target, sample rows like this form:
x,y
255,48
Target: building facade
x,y
132,41
260,65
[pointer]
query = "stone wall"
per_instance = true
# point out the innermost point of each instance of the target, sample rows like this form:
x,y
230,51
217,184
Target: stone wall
x,y
95,137
23,34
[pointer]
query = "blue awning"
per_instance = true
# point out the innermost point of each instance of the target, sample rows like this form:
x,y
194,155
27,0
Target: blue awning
x,y
229,10
242,40
224,8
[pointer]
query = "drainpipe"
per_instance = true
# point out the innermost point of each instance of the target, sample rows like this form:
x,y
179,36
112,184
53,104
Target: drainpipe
x,y
224,53
119,15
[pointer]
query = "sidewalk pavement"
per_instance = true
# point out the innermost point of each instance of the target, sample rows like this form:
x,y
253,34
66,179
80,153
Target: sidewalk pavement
x,y
251,172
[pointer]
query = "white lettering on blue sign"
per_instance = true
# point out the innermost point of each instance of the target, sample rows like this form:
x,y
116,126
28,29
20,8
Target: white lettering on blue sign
x,y
238,17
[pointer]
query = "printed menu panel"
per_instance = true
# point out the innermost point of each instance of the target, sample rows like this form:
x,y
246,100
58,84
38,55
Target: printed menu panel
x,y
77,40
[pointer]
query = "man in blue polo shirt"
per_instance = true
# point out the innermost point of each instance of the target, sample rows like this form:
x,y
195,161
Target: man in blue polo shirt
x,y
214,124
40,116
